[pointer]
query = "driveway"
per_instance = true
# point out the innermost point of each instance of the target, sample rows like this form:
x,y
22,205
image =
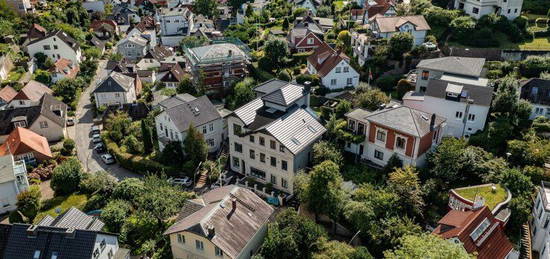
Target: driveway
x,y
80,132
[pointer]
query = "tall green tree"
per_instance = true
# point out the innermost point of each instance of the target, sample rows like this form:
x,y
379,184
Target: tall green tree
x,y
400,43
28,202
186,86
406,183
427,246
371,99
194,145
207,8
242,93
66,177
146,136
326,151
115,213
276,50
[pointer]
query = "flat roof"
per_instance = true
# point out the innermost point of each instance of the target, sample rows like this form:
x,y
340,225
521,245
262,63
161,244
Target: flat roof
x,y
465,80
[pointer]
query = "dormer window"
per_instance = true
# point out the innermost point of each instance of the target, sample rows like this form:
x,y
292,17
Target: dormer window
x,y
480,229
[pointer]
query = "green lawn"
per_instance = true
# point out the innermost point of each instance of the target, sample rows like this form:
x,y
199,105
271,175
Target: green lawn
x,y
64,202
505,43
491,198
536,44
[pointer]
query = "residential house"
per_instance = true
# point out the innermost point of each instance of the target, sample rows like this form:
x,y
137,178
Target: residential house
x,y
540,234
175,24
26,145
305,36
13,180
271,137
173,77
157,56
56,45
133,47
310,5
29,95
537,92
94,6
180,112
226,222
204,27
374,8
6,65
116,89
386,26
36,32
71,235
360,44
496,196
333,67
357,15
99,44
465,106
146,29
218,65
478,231
47,119
511,9
63,68
124,16
453,69
6,95
104,29
399,130
21,7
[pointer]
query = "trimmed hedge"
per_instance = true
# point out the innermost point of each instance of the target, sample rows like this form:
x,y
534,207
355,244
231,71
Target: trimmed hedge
x,y
136,163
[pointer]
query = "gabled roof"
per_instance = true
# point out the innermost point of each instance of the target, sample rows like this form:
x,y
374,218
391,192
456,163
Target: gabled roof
x,y
159,52
72,43
53,109
270,86
109,25
36,31
218,51
480,95
378,7
97,42
146,23
393,23
183,113
73,218
115,82
21,141
228,216
285,95
7,93
536,91
175,74
454,65
33,91
136,39
65,66
325,58
406,120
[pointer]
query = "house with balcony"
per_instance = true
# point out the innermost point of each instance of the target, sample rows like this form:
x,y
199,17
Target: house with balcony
x,y
463,70
181,111
218,65
56,45
175,24
226,222
360,47
25,145
495,196
466,106
13,180
271,137
478,231
399,130
476,9
540,231
537,92
333,67
386,26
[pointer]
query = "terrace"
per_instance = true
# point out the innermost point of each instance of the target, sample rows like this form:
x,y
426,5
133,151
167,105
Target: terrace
x,y
493,198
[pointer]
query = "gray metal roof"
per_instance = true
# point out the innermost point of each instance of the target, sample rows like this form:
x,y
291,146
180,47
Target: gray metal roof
x,y
74,218
455,65
247,112
197,112
285,95
270,86
406,120
115,82
481,95
358,114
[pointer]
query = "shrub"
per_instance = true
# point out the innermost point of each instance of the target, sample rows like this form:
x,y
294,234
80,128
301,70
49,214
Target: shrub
x,y
387,83
128,189
114,214
314,79
66,177
99,182
28,202
403,86
15,217
284,75
95,202
68,147
494,74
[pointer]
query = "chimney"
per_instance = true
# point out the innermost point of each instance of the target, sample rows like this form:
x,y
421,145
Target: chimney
x,y
211,230
233,204
70,233
432,122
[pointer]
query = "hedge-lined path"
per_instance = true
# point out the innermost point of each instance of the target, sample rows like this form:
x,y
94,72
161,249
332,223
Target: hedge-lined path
x,y
80,132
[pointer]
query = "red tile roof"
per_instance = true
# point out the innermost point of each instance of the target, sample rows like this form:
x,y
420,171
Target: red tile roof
x,y
491,244
65,67
7,93
22,141
381,7
325,58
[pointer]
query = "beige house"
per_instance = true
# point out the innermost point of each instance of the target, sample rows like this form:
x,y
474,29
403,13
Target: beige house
x,y
227,222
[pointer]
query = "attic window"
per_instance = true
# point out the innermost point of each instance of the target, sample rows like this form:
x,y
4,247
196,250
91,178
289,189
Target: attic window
x,y
295,141
480,229
310,128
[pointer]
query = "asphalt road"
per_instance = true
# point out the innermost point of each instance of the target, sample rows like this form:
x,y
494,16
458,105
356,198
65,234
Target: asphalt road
x,y
80,132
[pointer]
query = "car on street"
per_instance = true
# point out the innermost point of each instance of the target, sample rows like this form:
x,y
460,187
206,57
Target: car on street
x,y
70,121
99,148
429,45
108,159
96,138
95,129
185,181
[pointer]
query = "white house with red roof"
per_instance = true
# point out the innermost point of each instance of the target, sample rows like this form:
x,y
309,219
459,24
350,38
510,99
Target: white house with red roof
x,y
333,67
64,68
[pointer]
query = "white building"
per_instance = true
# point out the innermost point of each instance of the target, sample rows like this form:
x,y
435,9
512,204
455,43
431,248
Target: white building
x,y
56,45
116,89
386,26
175,24
181,111
478,8
464,105
13,180
360,44
540,222
333,67
271,137
537,92
463,69
133,47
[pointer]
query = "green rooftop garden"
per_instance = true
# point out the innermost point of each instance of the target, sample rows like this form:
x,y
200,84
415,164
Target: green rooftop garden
x,y
491,198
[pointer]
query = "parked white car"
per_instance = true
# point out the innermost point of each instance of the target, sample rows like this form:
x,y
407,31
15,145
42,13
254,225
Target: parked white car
x,y
96,138
108,159
185,181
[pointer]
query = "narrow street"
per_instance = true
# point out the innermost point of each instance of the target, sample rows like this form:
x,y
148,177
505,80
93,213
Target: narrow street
x,y
80,132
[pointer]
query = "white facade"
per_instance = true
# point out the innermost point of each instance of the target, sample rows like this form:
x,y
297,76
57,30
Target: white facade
x,y
476,9
150,35
418,36
540,230
55,48
360,47
106,246
212,131
175,23
15,181
463,119
94,6
115,98
341,76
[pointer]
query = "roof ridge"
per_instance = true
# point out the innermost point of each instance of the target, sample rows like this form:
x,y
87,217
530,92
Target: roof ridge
x,y
414,120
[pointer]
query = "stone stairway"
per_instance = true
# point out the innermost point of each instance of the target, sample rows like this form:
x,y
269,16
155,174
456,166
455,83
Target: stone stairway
x,y
525,250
